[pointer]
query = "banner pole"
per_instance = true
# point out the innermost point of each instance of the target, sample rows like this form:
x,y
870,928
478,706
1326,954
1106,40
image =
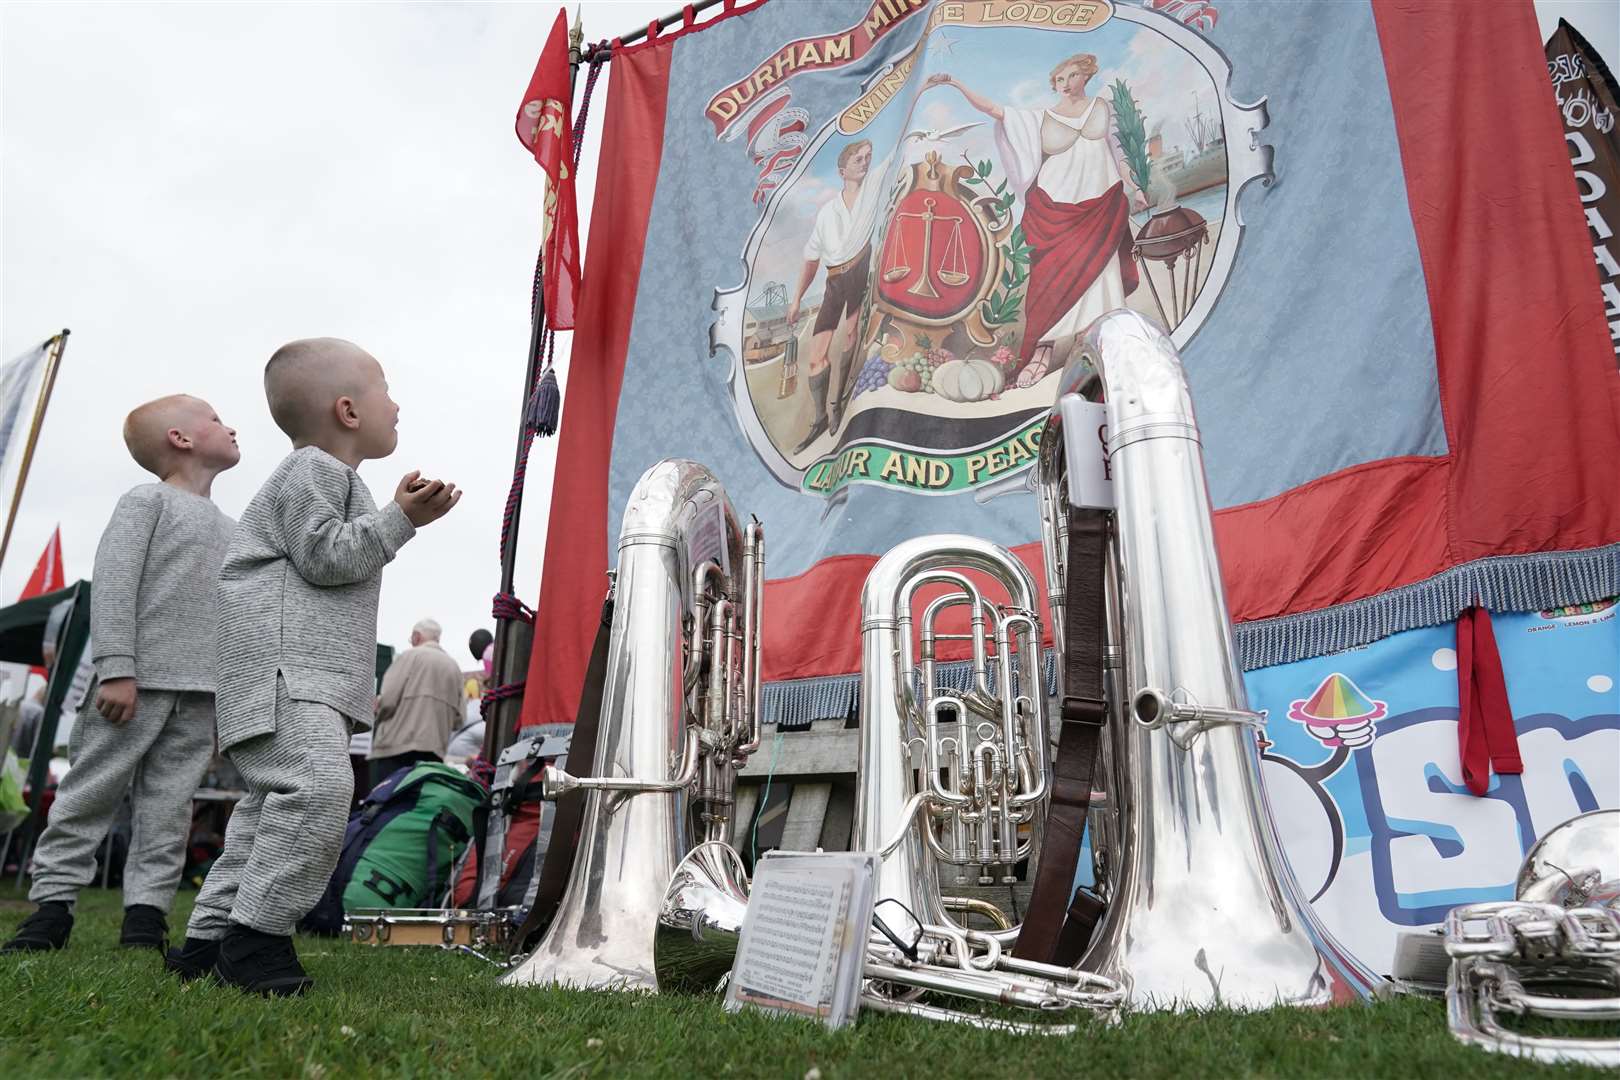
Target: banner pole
x,y
53,361
513,637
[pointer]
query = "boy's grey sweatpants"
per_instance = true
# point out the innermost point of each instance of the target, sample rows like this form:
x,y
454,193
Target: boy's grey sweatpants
x,y
284,838
159,757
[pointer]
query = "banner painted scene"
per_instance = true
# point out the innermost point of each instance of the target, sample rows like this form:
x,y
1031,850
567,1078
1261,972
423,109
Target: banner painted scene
x,y
840,253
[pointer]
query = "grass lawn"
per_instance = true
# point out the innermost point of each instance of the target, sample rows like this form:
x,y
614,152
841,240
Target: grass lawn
x,y
97,1010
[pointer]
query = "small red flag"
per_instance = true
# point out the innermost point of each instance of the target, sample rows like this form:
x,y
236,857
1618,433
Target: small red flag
x,y
47,576
545,125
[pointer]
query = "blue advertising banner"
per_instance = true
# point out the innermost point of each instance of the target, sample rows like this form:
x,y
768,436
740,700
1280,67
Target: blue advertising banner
x,y
1362,771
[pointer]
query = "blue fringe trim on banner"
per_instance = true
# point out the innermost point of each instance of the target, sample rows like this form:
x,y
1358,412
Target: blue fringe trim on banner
x,y
1505,583
794,704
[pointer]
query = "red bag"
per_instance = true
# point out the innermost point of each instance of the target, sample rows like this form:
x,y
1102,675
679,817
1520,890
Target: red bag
x,y
517,860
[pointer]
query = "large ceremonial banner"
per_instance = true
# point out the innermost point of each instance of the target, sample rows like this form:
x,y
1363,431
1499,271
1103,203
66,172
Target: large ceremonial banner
x,y
840,252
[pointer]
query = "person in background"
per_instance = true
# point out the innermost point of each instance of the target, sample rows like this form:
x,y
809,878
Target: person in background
x,y
468,740
55,628
32,711
359,767
419,707
29,715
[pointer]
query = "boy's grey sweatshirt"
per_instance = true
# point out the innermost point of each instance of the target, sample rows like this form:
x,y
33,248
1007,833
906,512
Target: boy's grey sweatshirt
x,y
152,598
298,595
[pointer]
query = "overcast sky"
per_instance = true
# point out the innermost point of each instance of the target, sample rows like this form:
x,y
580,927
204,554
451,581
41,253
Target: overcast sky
x,y
187,186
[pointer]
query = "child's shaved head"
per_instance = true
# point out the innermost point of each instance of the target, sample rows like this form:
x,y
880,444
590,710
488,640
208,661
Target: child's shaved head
x,y
305,377
146,430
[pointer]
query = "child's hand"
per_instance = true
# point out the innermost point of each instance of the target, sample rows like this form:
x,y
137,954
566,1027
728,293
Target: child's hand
x,y
425,501
115,700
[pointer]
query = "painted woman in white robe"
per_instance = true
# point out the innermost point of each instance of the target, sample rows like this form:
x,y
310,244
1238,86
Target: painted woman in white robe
x,y
1078,193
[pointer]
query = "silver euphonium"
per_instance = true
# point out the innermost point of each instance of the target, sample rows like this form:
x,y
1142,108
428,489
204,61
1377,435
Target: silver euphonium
x,y
944,777
959,779
1202,906
680,715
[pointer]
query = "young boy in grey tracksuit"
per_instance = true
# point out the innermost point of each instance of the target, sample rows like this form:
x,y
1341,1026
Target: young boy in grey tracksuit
x,y
150,729
297,658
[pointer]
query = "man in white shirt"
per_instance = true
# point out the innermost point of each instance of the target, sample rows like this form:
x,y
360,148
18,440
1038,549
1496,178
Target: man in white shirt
x,y
842,238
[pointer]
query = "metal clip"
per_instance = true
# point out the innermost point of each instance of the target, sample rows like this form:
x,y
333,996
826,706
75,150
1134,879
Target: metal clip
x,y
1092,712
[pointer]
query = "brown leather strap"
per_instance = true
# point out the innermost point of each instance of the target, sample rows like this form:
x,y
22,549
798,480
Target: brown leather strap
x,y
1085,911
1082,715
558,866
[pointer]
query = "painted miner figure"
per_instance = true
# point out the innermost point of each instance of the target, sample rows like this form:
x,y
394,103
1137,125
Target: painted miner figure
x,y
841,241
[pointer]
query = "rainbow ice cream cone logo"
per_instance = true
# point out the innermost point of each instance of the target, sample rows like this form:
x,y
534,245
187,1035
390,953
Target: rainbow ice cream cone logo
x,y
1339,713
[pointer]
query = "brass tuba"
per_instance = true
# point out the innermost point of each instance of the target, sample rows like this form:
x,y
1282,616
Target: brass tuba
x,y
946,776
1203,909
680,714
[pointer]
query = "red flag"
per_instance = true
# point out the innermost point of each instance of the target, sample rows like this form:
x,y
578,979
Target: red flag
x,y
545,125
47,576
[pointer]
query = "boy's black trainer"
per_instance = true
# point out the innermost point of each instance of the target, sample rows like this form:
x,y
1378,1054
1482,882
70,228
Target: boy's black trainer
x,y
261,963
47,928
145,927
195,959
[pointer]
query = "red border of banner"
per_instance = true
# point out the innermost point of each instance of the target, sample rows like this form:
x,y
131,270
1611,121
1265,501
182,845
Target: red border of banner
x,y
572,582
1534,469
1490,191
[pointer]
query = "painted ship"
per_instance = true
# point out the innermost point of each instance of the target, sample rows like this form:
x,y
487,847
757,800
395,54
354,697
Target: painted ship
x,y
1202,163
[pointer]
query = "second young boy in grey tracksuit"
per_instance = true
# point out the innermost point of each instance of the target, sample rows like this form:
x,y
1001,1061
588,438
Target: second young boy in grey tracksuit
x,y
147,725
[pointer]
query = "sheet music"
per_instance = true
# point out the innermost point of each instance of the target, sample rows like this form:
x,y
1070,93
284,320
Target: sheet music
x,y
803,941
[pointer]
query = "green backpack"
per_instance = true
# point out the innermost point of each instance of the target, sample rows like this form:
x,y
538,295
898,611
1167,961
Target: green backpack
x,y
402,844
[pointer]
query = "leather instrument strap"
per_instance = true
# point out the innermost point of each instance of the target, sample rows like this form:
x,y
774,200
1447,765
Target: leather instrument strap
x,y
1057,928
558,866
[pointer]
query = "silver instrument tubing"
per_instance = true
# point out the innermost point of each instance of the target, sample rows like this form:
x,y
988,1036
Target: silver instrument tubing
x,y
679,713
1574,863
1202,907
1504,953
701,924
